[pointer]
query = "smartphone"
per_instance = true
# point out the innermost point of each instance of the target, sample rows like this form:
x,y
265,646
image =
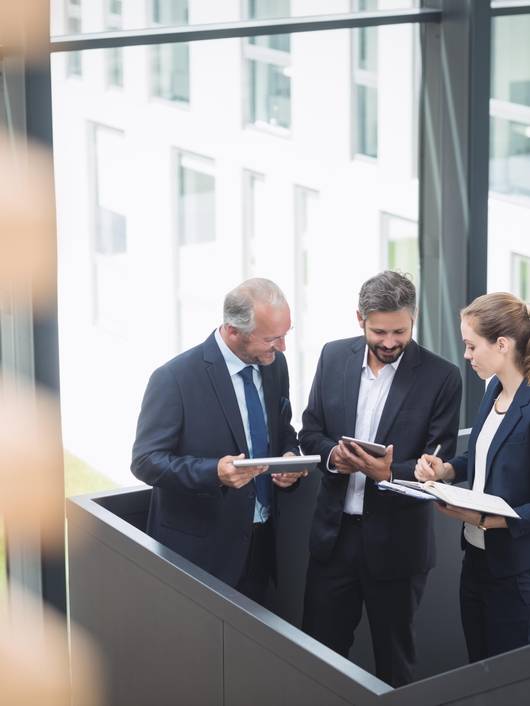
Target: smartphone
x,y
371,448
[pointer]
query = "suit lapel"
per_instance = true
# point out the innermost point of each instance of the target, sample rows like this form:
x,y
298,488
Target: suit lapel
x,y
222,384
401,384
514,414
352,383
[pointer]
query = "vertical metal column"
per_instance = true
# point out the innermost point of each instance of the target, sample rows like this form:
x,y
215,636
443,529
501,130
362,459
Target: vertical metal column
x,y
454,156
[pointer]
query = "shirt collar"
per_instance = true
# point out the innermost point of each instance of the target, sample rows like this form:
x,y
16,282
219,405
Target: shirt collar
x,y
233,363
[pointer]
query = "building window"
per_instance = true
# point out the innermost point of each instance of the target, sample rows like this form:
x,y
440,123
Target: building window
x,y
254,219
400,245
306,211
73,25
365,103
114,55
170,70
521,276
196,199
110,230
510,107
268,69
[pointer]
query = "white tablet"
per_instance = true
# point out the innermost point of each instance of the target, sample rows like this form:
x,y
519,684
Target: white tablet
x,y
281,464
368,446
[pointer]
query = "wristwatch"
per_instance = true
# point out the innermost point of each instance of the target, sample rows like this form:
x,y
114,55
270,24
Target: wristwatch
x,y
482,521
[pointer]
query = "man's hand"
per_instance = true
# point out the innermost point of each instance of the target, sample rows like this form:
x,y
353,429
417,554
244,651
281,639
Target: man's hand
x,y
284,480
349,457
234,477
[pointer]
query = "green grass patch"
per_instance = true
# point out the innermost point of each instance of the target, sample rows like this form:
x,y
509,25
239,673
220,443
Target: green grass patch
x,y
81,478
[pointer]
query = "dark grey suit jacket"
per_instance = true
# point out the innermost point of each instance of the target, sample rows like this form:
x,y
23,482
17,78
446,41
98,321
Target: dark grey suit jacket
x,y
421,411
189,420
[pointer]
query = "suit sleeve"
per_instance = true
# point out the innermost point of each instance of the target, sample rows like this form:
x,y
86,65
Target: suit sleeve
x,y
443,425
155,460
313,440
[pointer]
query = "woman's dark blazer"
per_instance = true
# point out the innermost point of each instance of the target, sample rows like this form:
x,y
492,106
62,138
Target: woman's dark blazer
x,y
507,475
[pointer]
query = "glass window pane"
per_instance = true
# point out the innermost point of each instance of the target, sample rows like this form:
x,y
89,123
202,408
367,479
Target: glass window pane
x,y
510,77
197,206
157,220
366,118
170,62
509,157
509,175
269,94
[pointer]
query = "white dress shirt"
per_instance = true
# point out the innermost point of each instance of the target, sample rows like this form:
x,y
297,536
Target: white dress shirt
x,y
474,535
235,365
373,393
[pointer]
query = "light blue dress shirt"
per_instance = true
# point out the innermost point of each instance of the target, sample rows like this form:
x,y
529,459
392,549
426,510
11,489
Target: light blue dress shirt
x,y
235,365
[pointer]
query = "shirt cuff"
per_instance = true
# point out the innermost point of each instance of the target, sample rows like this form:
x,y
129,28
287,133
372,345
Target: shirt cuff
x,y
328,464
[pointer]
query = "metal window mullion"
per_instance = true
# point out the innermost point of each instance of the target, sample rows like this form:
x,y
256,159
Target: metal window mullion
x,y
454,152
189,33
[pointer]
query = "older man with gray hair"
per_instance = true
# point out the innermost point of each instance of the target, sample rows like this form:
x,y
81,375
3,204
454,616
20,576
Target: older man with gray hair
x,y
225,399
370,547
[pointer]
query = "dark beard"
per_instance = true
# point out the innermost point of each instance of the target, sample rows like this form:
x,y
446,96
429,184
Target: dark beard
x,y
391,356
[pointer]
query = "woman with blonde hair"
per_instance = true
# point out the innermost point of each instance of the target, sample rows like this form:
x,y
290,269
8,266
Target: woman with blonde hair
x,y
495,580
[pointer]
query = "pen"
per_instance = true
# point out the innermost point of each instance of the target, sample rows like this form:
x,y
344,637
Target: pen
x,y
436,452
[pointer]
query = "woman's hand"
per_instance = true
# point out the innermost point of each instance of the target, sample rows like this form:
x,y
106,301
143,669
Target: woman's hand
x,y
433,468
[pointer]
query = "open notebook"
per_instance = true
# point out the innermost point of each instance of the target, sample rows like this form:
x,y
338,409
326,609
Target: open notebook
x,y
451,495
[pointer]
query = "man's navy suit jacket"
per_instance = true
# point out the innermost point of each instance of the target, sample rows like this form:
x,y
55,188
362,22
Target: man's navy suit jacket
x,y
507,475
421,411
189,420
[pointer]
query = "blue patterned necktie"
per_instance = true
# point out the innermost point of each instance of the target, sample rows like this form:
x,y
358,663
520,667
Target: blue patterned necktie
x,y
258,434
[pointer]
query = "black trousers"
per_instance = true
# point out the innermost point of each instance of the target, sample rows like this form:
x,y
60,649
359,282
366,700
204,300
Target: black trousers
x,y
495,611
259,567
335,593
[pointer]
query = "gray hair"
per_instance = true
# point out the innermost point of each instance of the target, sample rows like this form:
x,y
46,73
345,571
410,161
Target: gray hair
x,y
387,291
239,304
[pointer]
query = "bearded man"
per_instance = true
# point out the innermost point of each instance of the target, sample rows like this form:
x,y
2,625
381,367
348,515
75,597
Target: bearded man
x,y
370,547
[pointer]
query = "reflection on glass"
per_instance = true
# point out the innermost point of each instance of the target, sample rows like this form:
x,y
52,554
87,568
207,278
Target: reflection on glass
x,y
170,62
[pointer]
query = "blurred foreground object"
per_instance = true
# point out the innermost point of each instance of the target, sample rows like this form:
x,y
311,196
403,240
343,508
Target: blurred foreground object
x,y
27,221
30,460
24,26
34,665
